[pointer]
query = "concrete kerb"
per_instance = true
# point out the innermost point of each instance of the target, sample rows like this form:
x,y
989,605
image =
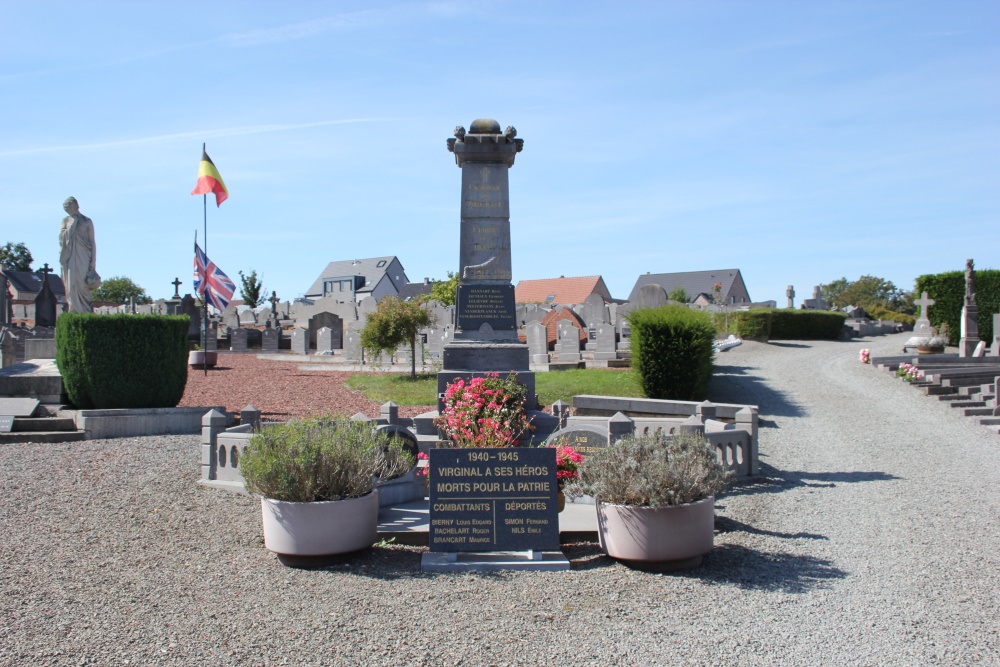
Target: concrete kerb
x,y
120,423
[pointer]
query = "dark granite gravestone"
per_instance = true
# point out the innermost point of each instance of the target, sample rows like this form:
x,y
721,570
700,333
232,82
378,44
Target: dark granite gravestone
x,y
45,301
333,322
190,308
4,299
584,439
493,500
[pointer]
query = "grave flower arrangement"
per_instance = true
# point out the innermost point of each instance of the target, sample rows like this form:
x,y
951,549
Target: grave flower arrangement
x,y
909,373
568,462
865,356
484,412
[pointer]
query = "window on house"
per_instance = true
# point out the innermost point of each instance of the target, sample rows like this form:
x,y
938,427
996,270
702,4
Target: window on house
x,y
550,298
381,263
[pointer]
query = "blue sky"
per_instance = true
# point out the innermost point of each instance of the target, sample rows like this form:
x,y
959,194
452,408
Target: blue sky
x,y
797,141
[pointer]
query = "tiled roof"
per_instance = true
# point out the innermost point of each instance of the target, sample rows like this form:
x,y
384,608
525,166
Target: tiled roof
x,y
30,282
551,322
563,291
693,282
369,268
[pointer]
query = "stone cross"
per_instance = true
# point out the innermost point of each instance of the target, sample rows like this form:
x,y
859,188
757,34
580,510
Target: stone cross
x,y
274,305
925,303
790,293
45,271
177,286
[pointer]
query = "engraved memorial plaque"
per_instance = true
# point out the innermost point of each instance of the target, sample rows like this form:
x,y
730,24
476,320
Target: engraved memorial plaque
x,y
493,499
485,304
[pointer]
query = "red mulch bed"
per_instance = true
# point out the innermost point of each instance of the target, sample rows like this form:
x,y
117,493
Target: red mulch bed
x,y
278,389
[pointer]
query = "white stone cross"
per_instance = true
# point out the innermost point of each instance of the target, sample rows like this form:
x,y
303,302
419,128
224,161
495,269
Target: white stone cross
x,y
924,302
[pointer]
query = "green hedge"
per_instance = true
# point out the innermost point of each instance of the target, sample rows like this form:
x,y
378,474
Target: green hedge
x,y
672,352
122,361
753,324
789,324
948,291
886,315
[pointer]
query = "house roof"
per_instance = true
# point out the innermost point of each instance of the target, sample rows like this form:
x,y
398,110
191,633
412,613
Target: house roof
x,y
411,291
561,290
30,282
372,269
693,282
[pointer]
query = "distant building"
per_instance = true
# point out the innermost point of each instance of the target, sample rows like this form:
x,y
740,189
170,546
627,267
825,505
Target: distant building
x,y
560,291
414,291
24,286
698,285
357,279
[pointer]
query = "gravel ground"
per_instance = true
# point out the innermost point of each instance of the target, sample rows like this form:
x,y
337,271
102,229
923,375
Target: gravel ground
x,y
871,540
279,389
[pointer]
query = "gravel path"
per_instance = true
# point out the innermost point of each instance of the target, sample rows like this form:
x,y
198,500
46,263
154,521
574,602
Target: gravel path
x,y
871,540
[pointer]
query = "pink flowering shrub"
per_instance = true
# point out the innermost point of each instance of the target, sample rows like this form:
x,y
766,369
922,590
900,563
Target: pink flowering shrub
x,y
484,412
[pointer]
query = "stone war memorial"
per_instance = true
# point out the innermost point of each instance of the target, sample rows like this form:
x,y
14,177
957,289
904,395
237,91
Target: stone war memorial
x,y
484,502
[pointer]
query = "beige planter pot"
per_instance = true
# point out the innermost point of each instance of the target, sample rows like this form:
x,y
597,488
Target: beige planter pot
x,y
199,358
680,535
320,529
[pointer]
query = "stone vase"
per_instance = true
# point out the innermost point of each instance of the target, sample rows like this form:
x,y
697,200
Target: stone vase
x,y
678,536
323,528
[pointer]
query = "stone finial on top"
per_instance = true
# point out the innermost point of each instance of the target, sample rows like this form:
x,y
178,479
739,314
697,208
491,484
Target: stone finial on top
x,y
510,132
460,133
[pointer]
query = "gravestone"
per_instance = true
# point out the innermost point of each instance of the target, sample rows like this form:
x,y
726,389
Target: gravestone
x,y
922,327
8,354
45,301
352,341
605,343
485,337
538,342
5,309
995,347
270,340
238,340
331,321
324,341
300,341
191,309
212,337
567,342
583,438
970,314
595,313
247,317
790,293
649,296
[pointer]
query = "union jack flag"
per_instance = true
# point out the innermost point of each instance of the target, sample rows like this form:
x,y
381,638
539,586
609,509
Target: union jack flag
x,y
210,282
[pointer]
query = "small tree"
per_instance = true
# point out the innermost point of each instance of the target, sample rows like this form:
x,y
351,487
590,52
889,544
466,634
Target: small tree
x,y
251,289
120,289
445,290
16,257
395,323
678,294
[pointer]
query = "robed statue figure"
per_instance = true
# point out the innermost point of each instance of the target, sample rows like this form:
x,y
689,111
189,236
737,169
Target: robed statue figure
x,y
78,257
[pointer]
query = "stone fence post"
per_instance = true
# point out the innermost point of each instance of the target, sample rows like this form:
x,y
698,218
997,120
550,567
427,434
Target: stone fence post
x,y
560,410
746,419
250,415
619,426
212,424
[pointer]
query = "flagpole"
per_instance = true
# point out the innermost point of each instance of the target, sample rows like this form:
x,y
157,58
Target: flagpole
x,y
204,296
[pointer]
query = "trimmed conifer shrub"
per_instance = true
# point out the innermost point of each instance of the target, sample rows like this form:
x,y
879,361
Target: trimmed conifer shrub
x,y
122,361
672,352
790,324
753,324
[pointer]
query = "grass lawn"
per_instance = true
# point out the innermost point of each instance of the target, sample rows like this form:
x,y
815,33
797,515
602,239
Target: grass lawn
x,y
552,386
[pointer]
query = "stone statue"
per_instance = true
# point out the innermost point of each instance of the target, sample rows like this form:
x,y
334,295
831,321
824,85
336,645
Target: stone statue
x,y
510,132
78,257
460,133
970,282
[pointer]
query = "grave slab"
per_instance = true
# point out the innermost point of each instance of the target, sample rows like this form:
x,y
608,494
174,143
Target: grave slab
x,y
18,407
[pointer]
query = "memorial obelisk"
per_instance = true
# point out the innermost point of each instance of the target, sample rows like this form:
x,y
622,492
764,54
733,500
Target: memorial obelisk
x,y
485,338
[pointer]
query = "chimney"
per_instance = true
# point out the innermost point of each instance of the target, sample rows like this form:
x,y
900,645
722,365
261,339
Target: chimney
x,y
427,281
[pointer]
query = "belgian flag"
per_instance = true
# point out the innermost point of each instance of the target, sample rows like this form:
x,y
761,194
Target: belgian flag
x,y
209,180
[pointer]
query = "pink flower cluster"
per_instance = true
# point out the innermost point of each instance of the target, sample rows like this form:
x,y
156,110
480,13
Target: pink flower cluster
x,y
568,461
909,373
484,412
